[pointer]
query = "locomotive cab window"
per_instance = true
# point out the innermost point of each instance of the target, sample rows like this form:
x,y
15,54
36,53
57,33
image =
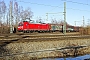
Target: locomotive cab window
x,y
20,24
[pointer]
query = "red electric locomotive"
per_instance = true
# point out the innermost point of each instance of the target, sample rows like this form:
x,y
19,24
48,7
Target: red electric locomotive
x,y
27,26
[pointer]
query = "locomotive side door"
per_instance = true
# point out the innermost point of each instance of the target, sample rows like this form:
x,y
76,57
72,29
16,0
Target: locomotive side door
x,y
26,25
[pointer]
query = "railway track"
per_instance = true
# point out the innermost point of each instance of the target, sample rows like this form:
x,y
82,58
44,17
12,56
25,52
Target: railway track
x,y
39,37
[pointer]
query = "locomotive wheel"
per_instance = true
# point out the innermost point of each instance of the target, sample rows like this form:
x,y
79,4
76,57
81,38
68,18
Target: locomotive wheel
x,y
24,31
31,31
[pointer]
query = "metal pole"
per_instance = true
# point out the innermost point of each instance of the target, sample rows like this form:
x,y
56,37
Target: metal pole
x,y
11,20
47,16
83,21
75,23
88,22
64,27
9,17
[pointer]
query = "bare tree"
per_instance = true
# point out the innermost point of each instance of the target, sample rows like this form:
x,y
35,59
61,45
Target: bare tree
x,y
2,10
16,11
39,20
54,21
3,6
26,14
7,18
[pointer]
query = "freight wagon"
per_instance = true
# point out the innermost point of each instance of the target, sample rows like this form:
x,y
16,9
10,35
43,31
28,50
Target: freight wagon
x,y
56,27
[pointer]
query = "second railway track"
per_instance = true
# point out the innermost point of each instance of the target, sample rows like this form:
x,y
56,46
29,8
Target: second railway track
x,y
40,37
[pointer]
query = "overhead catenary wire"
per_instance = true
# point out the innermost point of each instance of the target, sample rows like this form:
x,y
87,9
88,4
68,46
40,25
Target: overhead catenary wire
x,y
40,4
54,7
57,6
78,9
77,2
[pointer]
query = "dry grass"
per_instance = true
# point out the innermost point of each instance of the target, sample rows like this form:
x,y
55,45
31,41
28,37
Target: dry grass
x,y
85,30
4,30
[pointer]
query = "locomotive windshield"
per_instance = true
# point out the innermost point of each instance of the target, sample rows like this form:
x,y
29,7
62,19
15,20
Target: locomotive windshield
x,y
20,24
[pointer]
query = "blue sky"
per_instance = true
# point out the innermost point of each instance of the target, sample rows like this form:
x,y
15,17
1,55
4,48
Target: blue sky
x,y
75,10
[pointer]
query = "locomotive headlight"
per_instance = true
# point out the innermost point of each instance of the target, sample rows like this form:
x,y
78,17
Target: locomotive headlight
x,y
20,27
